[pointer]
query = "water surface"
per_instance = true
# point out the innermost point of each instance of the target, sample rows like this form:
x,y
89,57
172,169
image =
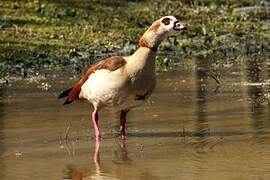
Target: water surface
x,y
189,129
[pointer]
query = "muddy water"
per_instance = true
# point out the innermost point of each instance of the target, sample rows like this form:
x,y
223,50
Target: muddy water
x,y
189,129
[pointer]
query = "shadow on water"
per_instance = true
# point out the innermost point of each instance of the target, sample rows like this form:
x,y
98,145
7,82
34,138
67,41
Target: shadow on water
x,y
256,95
2,165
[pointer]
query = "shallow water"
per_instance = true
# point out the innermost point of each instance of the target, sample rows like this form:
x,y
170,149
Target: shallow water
x,y
189,129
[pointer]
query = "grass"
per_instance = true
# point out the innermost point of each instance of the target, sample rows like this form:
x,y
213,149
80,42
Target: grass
x,y
38,34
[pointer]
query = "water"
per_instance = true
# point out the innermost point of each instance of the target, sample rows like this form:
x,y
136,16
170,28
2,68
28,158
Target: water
x,y
189,129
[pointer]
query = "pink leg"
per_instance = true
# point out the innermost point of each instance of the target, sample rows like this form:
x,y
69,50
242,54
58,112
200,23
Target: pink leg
x,y
123,119
95,124
96,155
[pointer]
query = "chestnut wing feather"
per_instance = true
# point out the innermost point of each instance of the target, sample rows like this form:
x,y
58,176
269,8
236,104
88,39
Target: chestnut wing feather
x,y
112,64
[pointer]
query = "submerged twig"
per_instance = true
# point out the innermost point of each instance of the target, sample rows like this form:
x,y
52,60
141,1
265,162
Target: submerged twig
x,y
67,131
70,148
215,78
211,74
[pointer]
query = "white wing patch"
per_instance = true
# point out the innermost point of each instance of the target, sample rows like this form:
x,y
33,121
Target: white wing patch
x,y
103,86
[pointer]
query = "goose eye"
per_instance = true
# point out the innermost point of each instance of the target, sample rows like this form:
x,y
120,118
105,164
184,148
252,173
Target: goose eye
x,y
166,21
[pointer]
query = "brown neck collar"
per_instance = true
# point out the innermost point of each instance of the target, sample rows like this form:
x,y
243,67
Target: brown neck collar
x,y
144,43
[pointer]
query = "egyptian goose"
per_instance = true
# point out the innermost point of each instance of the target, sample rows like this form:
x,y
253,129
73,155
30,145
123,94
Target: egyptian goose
x,y
123,82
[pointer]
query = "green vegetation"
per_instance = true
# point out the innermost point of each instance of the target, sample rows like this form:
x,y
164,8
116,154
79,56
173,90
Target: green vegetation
x,y
50,34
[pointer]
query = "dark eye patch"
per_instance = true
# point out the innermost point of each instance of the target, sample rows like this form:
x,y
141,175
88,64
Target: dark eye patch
x,y
166,21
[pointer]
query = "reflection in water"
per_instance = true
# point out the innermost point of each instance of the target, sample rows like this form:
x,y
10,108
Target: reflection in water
x,y
121,154
268,89
120,168
201,112
97,172
2,166
256,95
201,84
75,173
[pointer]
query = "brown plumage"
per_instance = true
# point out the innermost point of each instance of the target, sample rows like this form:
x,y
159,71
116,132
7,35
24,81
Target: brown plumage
x,y
111,64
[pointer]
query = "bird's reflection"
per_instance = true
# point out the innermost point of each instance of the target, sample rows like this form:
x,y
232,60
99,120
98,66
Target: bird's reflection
x,y
121,154
97,172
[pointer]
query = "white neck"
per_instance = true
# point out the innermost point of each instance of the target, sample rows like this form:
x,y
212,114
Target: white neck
x,y
150,40
143,52
142,58
152,37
